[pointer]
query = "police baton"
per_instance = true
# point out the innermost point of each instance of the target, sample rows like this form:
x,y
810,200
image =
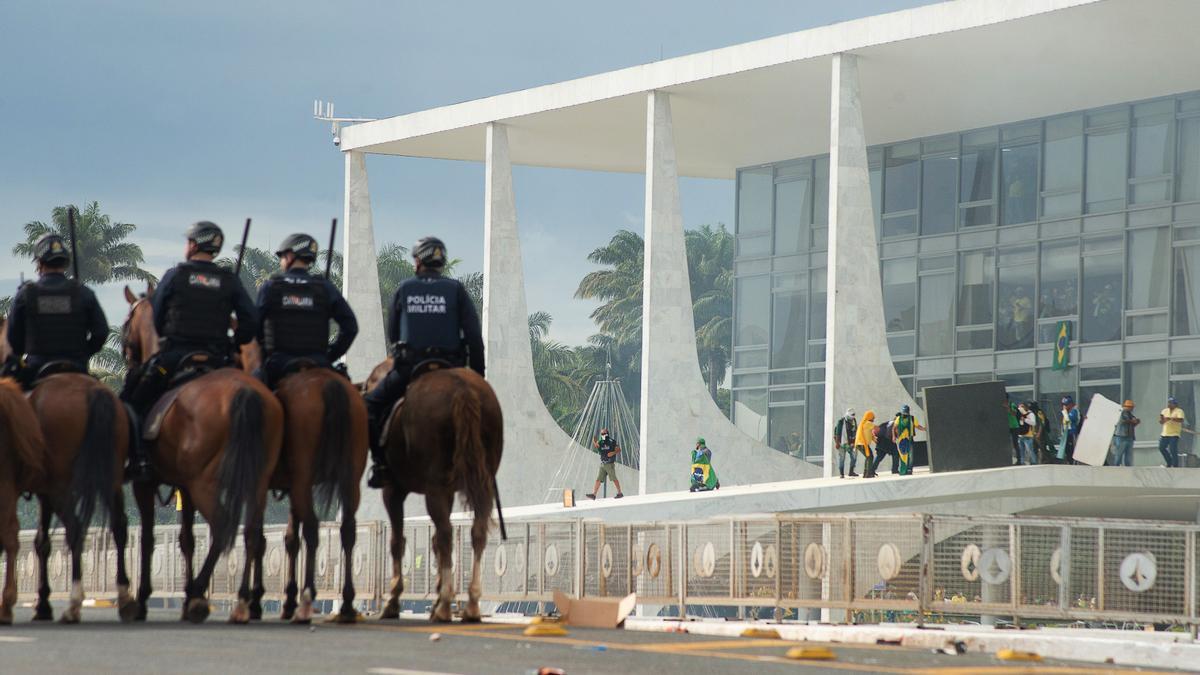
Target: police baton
x,y
74,252
237,270
329,253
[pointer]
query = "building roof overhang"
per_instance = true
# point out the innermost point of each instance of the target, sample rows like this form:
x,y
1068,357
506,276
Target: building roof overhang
x,y
925,71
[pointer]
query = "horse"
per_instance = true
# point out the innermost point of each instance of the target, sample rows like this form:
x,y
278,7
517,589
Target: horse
x,y
22,468
322,461
79,473
217,444
450,440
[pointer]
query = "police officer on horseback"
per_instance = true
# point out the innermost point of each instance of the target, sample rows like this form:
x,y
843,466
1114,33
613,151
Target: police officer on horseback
x,y
296,308
432,317
192,307
55,321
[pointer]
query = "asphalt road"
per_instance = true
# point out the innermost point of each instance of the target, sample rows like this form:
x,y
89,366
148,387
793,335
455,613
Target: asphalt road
x,y
164,644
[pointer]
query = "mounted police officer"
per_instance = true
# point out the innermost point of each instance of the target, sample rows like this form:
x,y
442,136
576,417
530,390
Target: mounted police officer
x,y
53,319
432,317
192,307
296,309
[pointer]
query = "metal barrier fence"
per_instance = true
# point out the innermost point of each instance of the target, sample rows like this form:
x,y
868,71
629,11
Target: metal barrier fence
x,y
874,567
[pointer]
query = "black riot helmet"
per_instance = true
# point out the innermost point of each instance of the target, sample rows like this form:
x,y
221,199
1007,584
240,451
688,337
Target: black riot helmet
x,y
430,251
208,237
303,246
50,250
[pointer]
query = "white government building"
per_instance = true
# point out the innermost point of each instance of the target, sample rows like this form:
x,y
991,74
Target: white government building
x,y
909,186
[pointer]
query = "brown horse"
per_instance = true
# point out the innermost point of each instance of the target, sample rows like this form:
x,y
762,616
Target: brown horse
x,y
450,440
324,448
22,468
81,473
218,445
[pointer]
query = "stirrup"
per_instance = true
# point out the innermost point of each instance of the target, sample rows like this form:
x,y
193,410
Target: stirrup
x,y
138,471
379,477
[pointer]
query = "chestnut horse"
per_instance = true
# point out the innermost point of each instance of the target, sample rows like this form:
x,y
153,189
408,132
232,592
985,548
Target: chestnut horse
x,y
86,435
324,449
22,468
218,445
451,436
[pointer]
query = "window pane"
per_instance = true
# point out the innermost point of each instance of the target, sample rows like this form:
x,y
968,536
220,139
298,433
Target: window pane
x,y
977,269
787,429
1146,385
936,332
1187,291
821,191
754,246
1149,274
900,226
789,340
754,199
1063,170
937,195
1018,184
1151,148
750,413
816,421
1102,298
1111,392
791,216
753,309
900,294
1106,171
1015,328
1188,394
1059,279
1189,159
816,310
978,171
900,177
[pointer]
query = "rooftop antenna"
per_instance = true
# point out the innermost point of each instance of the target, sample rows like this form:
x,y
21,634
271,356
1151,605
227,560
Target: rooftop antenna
x,y
323,111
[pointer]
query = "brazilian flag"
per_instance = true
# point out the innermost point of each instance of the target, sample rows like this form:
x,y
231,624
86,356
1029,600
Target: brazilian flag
x,y
703,476
1062,346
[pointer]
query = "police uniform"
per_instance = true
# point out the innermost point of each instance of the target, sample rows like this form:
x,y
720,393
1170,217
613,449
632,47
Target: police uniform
x,y
56,319
296,308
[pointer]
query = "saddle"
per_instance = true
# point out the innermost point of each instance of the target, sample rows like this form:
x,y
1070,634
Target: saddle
x,y
191,366
158,413
56,367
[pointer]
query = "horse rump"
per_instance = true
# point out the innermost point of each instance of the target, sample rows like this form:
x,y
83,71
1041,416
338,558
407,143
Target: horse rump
x,y
333,474
241,466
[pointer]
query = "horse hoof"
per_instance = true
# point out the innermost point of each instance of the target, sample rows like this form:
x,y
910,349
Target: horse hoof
x,y
391,610
141,612
240,613
289,610
303,615
256,612
346,617
472,615
196,610
130,611
441,613
70,616
6,617
43,614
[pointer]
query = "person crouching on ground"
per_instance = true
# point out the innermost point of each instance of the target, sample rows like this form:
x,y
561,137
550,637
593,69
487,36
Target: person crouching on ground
x,y
607,446
863,440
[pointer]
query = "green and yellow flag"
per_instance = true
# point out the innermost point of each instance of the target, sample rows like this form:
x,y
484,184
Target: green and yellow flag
x,y
1062,346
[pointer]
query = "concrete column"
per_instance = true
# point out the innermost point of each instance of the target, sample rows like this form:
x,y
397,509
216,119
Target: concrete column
x,y
858,365
676,406
360,272
535,447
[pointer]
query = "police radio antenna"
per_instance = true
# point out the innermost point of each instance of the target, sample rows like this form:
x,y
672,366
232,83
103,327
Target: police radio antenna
x,y
74,251
323,111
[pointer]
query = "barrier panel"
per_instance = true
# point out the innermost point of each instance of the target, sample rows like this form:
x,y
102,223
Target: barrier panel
x,y
875,568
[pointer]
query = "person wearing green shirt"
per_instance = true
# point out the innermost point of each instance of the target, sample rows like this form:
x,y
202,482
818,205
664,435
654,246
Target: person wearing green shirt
x,y
1014,428
904,428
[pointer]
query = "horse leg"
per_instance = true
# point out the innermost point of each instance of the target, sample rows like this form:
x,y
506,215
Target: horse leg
x,y
75,535
393,501
291,544
42,611
438,505
187,544
257,590
127,606
9,542
255,543
479,535
309,528
196,607
349,534
143,493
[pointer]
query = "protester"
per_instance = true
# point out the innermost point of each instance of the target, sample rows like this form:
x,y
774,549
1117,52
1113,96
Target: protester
x,y
1123,436
1041,439
1172,420
904,427
884,446
1014,426
863,440
703,476
1028,430
1070,430
844,433
608,449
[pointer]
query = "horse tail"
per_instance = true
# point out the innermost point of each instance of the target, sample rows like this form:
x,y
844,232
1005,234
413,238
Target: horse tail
x,y
93,472
470,457
241,466
22,432
332,474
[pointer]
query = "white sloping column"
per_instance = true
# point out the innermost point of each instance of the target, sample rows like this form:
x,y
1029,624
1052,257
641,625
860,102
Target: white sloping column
x,y
676,406
534,445
858,366
360,271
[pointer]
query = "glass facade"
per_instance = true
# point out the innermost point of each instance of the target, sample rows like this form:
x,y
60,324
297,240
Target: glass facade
x,y
987,239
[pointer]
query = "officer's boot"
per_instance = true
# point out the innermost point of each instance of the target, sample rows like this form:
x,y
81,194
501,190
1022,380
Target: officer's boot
x,y
138,469
380,476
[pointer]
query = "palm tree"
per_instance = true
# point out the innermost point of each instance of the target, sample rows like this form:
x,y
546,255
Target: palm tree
x,y
257,266
552,365
710,266
620,287
5,305
108,365
103,255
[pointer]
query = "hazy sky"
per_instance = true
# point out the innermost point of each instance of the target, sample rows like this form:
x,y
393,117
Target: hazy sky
x,y
167,112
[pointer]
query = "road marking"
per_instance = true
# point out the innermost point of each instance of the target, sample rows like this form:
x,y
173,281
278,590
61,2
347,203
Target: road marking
x,y
705,645
14,638
1053,670
401,671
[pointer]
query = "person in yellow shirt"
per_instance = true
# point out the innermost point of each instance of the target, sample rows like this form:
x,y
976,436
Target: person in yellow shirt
x,y
863,439
1172,420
